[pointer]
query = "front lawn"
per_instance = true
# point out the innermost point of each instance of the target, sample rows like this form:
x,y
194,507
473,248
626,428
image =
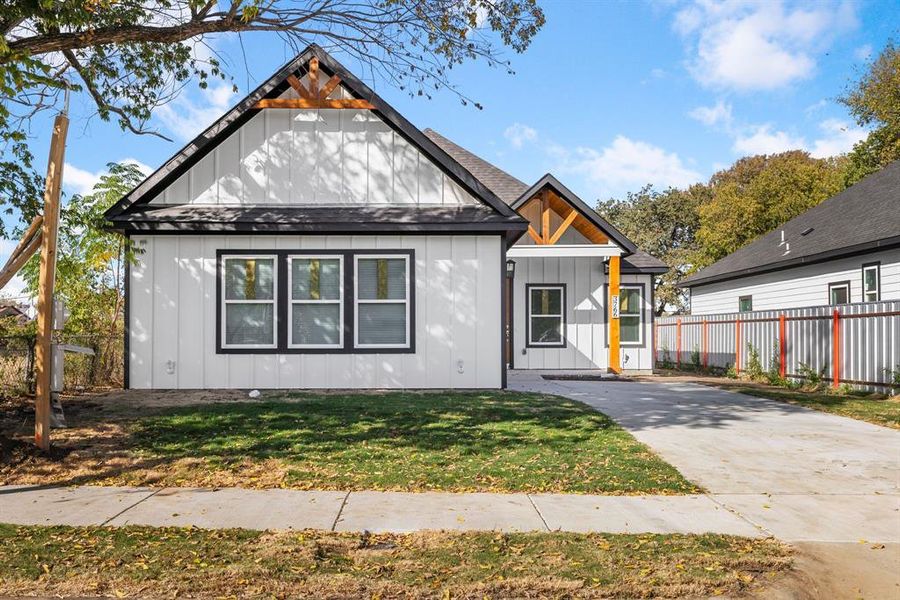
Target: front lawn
x,y
170,562
497,441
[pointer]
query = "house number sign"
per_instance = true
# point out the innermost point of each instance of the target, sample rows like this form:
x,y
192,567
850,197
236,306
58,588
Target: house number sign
x,y
615,307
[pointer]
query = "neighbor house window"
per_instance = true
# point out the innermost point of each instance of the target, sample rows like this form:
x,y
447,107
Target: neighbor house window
x,y
839,293
630,314
248,312
546,315
382,302
871,282
316,301
745,303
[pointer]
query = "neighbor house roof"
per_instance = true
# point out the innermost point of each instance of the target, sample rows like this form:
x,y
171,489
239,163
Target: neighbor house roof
x,y
515,192
863,218
273,87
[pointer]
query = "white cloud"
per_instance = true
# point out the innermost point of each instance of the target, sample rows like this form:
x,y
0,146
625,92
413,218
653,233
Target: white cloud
x,y
187,116
80,181
712,116
758,45
15,287
838,138
518,134
627,164
863,53
761,139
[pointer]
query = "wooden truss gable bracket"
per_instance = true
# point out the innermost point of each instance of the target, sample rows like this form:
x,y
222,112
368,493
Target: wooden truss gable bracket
x,y
314,96
545,237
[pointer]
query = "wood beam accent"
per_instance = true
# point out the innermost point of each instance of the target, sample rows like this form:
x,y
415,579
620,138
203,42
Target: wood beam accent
x,y
573,214
46,280
314,76
313,103
613,314
299,87
329,87
18,259
535,235
545,217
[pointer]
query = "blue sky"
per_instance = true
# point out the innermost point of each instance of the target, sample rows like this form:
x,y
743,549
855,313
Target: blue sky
x,y
609,97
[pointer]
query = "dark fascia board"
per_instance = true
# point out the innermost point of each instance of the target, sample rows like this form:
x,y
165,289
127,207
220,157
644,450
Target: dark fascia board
x,y
643,270
243,111
589,213
883,244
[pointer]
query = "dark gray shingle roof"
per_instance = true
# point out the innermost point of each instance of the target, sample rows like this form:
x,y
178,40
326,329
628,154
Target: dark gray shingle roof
x,y
862,217
509,189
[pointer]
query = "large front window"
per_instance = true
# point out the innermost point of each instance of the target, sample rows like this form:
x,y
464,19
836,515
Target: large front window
x,y
249,302
316,301
382,301
546,315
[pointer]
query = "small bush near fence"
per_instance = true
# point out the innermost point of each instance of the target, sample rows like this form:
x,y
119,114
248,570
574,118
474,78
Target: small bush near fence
x,y
81,372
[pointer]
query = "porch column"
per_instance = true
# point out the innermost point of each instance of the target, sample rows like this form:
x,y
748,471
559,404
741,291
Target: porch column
x,y
613,314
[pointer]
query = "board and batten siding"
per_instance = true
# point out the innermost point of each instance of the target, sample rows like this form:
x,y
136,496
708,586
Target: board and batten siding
x,y
172,317
798,287
314,157
585,331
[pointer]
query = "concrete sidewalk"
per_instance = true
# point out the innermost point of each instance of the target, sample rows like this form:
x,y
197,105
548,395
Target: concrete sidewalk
x,y
371,511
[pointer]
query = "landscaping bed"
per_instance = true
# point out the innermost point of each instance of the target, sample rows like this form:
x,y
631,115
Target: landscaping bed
x,y
489,441
172,562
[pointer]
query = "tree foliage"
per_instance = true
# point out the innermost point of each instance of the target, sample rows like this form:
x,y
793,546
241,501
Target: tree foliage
x,y
665,225
90,271
759,193
875,102
128,57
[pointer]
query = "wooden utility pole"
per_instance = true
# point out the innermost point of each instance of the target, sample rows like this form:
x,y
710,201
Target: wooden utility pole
x,y
49,227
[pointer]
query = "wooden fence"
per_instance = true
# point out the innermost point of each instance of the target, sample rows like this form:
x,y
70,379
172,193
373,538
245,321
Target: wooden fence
x,y
858,344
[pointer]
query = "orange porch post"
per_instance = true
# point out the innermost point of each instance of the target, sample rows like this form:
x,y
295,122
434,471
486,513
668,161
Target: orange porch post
x,y
613,314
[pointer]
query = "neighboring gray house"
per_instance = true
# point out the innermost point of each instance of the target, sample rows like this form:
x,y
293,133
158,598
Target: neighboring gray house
x,y
845,250
314,238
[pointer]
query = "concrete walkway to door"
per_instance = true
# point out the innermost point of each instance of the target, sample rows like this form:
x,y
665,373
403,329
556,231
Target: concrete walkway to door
x,y
800,474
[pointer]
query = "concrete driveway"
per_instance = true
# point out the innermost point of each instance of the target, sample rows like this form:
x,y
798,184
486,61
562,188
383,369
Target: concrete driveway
x,y
801,474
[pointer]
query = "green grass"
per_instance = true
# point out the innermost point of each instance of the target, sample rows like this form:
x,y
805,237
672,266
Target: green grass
x,y
874,409
170,562
496,441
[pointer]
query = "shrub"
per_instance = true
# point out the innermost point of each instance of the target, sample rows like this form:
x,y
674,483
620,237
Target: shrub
x,y
754,365
730,372
666,362
812,377
695,358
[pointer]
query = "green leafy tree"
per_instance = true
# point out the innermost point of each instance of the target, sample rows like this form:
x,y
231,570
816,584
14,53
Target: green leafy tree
x,y
91,261
759,193
875,102
665,225
128,57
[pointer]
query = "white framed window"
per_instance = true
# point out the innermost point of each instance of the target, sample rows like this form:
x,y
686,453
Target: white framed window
x,y
381,306
871,282
839,292
631,315
546,316
745,304
316,309
248,301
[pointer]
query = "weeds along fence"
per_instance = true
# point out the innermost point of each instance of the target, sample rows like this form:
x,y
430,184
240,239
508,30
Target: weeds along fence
x,y
81,372
856,344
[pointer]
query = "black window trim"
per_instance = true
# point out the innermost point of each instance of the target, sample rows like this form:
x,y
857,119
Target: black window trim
x,y
563,339
741,299
834,284
865,266
282,294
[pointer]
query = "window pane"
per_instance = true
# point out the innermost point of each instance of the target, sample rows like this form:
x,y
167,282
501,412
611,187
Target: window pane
x,y
382,324
839,295
629,301
249,324
630,329
316,279
249,278
381,278
546,301
316,324
546,330
745,304
870,280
